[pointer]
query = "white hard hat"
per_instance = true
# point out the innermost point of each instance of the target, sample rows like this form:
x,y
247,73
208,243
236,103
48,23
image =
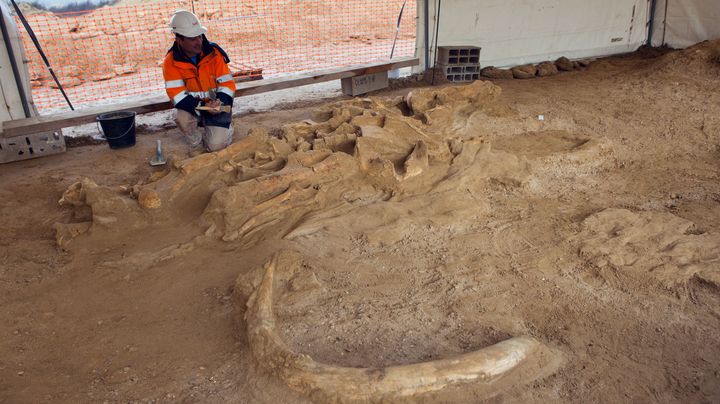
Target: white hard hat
x,y
186,24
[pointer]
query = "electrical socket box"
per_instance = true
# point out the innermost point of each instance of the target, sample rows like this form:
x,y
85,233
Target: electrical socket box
x,y
31,146
364,84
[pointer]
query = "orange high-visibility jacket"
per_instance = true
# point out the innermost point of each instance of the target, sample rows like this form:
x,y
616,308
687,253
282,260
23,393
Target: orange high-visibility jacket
x,y
187,84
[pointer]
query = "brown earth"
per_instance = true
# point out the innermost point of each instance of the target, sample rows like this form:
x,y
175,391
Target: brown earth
x,y
425,226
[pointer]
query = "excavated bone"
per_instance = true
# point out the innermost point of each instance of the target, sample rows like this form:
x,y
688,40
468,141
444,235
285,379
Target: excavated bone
x,y
149,199
232,208
321,114
343,129
304,146
260,158
321,129
226,167
334,167
456,146
342,142
417,161
280,147
256,141
273,165
65,233
478,93
340,116
107,205
374,144
199,162
144,260
75,194
420,101
403,128
381,173
319,144
299,130
368,119
245,172
355,110
308,158
189,176
343,384
273,211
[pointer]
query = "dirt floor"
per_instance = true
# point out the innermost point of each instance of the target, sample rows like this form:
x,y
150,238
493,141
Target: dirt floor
x,y
421,228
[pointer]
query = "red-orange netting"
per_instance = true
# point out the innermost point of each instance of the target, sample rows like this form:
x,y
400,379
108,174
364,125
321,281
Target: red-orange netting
x,y
114,53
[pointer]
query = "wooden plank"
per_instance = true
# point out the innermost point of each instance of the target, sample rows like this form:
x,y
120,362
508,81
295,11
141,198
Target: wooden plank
x,y
48,123
279,83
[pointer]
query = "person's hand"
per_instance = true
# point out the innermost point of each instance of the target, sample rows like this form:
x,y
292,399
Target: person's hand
x,y
215,105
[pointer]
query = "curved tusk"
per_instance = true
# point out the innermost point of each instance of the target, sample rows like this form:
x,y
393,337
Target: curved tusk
x,y
345,384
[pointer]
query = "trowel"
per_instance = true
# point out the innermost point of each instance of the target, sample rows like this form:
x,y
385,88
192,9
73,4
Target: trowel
x,y
212,95
221,108
158,159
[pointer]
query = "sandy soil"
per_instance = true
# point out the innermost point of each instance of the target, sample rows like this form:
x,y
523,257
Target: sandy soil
x,y
435,226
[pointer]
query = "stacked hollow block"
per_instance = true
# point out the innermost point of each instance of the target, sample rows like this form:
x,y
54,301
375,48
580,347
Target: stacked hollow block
x,y
459,63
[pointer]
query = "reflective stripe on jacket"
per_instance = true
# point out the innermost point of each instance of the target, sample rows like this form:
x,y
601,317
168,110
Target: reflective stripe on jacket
x,y
187,84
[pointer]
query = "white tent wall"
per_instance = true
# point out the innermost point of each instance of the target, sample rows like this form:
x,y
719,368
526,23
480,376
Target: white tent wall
x,y
11,106
682,23
513,32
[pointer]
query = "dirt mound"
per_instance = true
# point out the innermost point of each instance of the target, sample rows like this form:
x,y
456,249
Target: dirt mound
x,y
661,245
702,59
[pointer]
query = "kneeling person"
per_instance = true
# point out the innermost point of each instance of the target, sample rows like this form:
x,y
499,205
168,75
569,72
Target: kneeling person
x,y
197,75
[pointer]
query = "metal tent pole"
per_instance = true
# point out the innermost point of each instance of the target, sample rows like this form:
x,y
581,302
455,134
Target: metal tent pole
x,y
665,23
426,19
651,23
397,28
437,30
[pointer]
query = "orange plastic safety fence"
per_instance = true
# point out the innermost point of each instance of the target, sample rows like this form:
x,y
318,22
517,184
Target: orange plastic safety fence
x,y
114,53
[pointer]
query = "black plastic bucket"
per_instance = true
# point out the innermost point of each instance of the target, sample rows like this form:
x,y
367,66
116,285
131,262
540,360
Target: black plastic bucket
x,y
118,128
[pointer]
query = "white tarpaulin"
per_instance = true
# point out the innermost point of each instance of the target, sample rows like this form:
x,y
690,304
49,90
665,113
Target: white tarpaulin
x,y
512,32
11,105
682,23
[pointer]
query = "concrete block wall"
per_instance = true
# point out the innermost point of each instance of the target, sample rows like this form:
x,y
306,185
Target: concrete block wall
x,y
459,63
